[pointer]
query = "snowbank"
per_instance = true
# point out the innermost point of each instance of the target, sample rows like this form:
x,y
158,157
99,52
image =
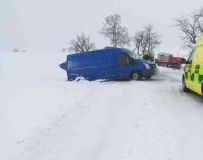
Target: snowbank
x,y
44,117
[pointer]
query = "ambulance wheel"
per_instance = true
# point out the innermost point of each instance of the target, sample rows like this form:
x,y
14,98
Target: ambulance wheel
x,y
136,75
185,89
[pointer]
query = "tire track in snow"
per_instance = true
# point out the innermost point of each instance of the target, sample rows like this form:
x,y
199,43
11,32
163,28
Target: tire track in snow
x,y
50,140
121,120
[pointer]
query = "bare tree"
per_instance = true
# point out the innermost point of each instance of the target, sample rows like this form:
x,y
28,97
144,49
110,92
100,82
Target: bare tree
x,y
82,43
113,30
190,28
199,15
64,49
152,39
146,40
139,41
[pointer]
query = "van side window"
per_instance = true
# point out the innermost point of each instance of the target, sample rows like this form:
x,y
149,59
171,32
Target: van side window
x,y
124,59
189,61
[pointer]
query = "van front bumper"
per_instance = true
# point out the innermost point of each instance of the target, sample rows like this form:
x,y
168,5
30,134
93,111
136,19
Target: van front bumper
x,y
147,73
150,72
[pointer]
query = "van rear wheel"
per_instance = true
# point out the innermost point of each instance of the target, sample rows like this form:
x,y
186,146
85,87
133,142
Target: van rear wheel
x,y
136,75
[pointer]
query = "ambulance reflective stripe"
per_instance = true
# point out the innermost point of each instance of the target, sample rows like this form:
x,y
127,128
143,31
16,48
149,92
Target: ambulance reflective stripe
x,y
201,79
188,72
197,69
197,76
201,74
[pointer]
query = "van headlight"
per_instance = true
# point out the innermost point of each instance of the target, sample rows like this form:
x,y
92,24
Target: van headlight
x,y
147,66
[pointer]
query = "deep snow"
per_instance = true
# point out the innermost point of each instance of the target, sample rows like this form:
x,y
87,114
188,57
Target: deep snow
x,y
44,117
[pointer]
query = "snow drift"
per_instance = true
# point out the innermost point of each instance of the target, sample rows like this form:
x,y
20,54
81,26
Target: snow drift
x,y
44,117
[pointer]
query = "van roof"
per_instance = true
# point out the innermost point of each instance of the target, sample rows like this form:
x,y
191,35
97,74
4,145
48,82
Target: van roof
x,y
105,49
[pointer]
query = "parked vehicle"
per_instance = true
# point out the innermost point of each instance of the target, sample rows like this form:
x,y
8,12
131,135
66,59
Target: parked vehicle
x,y
193,72
109,64
168,60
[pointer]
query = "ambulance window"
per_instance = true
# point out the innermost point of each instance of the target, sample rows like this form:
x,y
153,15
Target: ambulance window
x,y
189,61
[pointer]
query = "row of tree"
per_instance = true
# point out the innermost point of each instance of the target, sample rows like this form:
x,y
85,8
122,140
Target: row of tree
x,y
190,27
145,40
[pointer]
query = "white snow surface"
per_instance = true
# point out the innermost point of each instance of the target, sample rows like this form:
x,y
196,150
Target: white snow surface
x,y
45,117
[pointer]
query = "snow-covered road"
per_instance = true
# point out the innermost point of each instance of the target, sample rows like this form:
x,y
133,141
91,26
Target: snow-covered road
x,y
44,117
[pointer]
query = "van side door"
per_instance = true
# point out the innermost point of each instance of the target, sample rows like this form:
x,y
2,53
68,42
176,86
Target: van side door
x,y
103,65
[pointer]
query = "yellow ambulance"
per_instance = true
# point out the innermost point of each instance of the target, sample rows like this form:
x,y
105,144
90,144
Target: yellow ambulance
x,y
193,72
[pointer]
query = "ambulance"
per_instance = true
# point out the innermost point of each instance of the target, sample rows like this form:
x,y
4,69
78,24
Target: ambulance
x,y
193,71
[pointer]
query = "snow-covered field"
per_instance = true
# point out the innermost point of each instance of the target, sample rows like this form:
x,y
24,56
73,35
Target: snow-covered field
x,y
44,117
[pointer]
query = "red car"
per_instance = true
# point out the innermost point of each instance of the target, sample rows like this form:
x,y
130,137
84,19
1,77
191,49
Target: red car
x,y
167,60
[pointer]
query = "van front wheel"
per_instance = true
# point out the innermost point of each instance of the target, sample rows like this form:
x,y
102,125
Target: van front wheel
x,y
136,75
148,77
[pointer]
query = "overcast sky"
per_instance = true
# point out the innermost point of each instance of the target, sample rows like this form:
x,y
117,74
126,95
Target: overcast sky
x,y
49,25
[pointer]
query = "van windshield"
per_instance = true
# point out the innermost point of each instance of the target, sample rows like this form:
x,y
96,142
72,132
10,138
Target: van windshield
x,y
133,55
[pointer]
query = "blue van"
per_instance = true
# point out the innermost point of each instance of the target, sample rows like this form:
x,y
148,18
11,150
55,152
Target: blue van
x,y
108,64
